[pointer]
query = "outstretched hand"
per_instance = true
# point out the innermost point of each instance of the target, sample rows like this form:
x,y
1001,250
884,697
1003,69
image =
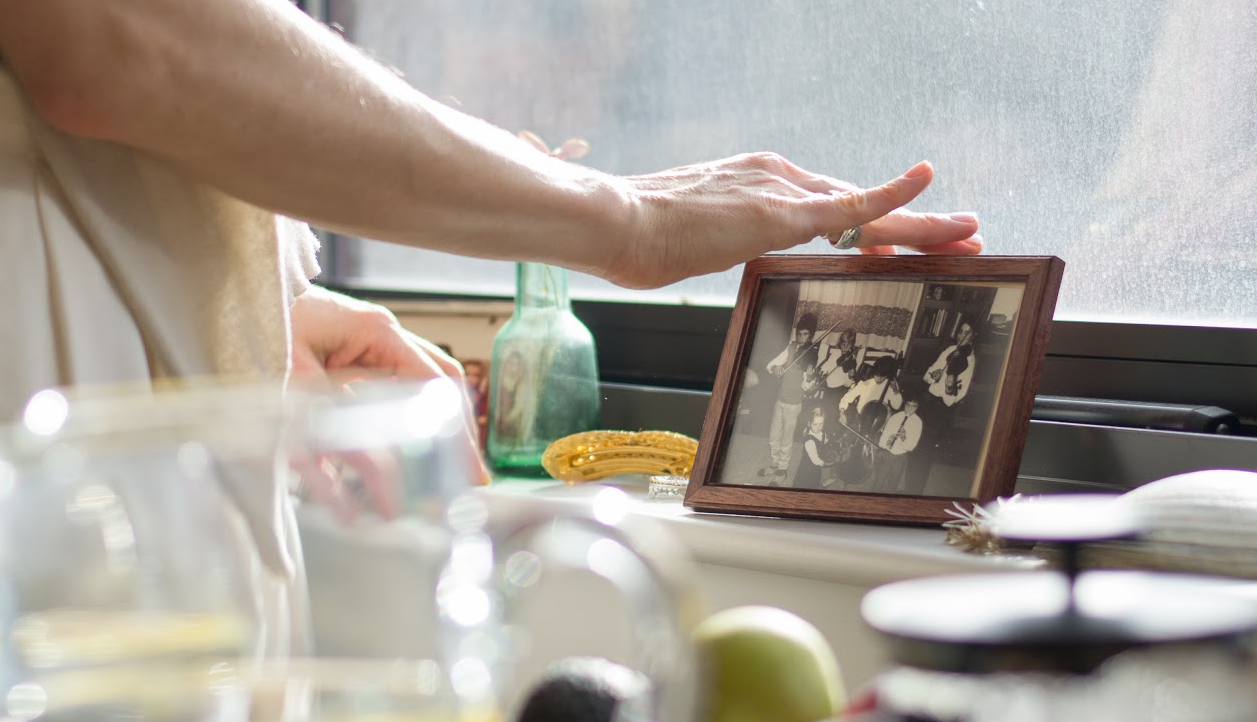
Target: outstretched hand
x,y
710,217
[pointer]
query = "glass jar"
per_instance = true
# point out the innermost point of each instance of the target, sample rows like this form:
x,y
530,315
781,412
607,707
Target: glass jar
x,y
543,378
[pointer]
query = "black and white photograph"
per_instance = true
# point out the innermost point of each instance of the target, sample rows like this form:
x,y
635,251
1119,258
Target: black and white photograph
x,y
876,386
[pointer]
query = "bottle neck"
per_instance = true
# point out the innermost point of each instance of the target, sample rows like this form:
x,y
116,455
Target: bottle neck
x,y
539,285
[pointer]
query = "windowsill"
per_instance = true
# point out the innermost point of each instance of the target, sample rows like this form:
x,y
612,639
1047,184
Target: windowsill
x,y
863,555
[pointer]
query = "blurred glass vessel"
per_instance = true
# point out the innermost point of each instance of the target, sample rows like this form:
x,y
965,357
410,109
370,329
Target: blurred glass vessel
x,y
422,567
543,377
374,468
144,529
342,690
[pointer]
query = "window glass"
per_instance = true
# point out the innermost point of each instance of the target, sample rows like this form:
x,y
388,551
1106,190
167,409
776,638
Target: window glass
x,y
1118,135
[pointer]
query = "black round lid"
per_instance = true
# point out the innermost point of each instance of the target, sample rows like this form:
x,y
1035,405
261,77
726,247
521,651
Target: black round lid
x,y
1022,621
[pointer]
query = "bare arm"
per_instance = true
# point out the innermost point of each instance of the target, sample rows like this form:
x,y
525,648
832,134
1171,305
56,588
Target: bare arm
x,y
256,98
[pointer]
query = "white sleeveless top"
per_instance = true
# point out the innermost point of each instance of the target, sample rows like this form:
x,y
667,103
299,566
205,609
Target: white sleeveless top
x,y
116,268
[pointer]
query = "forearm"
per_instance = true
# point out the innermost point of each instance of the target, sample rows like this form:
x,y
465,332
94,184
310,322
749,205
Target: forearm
x,y
255,98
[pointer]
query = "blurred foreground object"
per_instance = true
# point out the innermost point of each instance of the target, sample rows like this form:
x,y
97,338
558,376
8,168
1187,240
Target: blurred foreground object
x,y
586,689
346,690
376,467
645,566
596,455
145,538
406,560
1187,684
1201,522
764,664
1042,645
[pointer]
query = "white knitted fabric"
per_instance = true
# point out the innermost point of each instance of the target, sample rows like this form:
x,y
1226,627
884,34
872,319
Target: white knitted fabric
x,y
115,269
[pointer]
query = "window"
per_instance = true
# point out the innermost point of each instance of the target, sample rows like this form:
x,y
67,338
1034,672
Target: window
x,y
1120,136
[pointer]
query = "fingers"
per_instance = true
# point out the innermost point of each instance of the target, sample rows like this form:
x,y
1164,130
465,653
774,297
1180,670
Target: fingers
x,y
858,206
424,359
572,149
471,436
380,474
968,247
904,228
534,140
972,245
344,481
321,480
879,211
712,216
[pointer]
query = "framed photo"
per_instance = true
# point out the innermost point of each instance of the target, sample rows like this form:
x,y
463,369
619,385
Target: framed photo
x,y
874,388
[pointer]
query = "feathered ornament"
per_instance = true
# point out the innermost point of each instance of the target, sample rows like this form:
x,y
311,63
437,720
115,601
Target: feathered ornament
x,y
971,529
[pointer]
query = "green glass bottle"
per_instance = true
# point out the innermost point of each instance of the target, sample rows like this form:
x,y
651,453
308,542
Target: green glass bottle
x,y
543,377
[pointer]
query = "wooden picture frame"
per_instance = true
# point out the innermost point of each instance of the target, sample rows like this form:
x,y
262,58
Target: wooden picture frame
x,y
856,347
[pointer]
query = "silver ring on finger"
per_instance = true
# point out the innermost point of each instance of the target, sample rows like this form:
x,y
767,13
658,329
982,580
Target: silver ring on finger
x,y
846,240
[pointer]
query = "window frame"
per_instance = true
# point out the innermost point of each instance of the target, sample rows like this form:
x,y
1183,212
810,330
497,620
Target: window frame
x,y
679,347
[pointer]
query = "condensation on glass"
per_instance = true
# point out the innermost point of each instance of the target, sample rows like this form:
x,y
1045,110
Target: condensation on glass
x,y
1119,136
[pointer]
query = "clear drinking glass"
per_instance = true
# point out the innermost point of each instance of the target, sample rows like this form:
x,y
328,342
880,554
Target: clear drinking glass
x,y
373,468
145,528
411,562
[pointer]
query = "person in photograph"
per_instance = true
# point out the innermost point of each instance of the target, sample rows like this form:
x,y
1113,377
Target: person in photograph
x,y
947,384
815,453
838,363
862,410
813,394
871,397
813,387
899,437
949,376
789,367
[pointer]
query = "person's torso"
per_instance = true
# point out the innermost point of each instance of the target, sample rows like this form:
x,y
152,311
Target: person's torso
x,y
115,268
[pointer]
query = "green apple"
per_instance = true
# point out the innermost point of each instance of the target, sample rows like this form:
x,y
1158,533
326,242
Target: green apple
x,y
764,664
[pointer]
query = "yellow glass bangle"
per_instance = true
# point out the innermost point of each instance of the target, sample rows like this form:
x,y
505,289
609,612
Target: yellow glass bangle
x,y
593,455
